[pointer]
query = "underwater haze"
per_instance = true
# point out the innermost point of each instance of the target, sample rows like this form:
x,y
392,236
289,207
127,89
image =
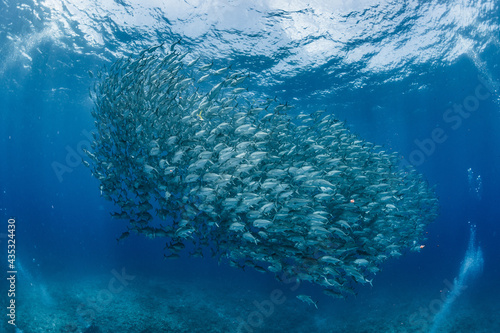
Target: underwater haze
x,y
262,166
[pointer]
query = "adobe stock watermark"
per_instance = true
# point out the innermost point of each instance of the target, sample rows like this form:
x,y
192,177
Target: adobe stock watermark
x,y
74,157
422,319
453,118
265,308
87,311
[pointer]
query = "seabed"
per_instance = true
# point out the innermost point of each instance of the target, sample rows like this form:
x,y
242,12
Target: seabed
x,y
162,304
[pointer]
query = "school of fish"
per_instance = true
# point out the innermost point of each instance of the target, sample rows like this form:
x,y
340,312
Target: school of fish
x,y
189,155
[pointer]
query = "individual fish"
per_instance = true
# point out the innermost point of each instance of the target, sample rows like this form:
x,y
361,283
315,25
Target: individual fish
x,y
123,236
307,299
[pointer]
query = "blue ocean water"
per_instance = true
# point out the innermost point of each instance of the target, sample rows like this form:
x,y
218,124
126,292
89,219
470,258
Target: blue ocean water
x,y
419,79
